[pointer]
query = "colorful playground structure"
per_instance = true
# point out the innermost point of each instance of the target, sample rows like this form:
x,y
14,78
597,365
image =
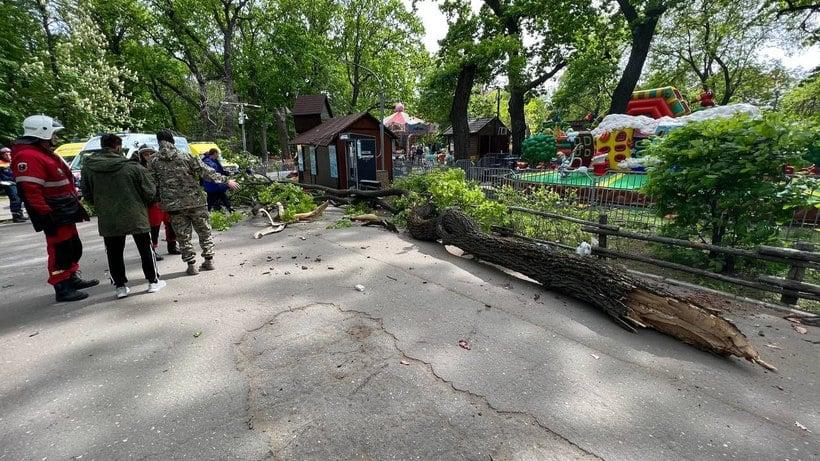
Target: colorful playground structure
x,y
658,102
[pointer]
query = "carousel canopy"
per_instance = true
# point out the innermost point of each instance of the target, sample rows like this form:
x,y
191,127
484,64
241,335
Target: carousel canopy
x,y
402,121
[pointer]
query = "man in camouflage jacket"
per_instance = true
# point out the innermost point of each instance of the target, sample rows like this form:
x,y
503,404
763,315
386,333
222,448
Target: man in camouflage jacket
x,y
178,175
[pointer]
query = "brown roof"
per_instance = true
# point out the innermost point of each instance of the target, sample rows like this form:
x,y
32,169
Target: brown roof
x,y
476,124
322,135
311,104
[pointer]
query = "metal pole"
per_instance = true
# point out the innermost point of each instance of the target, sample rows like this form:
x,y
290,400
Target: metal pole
x,y
381,121
242,119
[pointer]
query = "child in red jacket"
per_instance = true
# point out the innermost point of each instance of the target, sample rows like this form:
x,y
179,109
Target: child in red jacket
x,y
156,215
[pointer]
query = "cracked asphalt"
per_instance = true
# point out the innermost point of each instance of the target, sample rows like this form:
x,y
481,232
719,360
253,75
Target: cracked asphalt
x,y
276,356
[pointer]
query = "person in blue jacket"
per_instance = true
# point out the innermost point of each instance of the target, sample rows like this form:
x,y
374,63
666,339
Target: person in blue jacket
x,y
217,192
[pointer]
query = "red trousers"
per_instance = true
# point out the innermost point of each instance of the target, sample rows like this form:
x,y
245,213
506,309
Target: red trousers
x,y
64,251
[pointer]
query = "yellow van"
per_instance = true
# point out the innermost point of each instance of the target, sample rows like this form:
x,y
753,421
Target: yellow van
x,y
201,148
69,150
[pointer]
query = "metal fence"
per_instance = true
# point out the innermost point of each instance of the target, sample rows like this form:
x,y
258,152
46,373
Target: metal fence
x,y
618,196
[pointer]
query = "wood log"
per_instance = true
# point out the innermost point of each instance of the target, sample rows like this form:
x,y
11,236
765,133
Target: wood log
x,y
379,193
629,301
375,220
308,216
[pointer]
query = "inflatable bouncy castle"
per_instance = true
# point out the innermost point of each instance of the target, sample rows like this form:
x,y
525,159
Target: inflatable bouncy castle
x,y
658,102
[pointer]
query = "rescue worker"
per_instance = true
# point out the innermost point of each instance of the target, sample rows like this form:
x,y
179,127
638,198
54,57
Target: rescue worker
x,y
177,176
48,192
10,186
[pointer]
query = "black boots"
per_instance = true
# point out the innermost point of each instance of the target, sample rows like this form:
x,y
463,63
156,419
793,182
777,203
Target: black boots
x,y
78,284
173,248
18,217
65,292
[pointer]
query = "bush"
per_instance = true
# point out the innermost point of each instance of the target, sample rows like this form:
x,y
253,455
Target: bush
x,y
723,180
538,148
446,188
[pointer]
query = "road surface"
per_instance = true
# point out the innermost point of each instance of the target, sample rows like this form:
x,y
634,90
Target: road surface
x,y
277,356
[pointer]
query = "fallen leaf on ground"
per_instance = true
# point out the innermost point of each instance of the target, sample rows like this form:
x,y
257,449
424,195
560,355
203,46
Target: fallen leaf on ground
x,y
34,334
197,334
464,344
773,346
404,362
596,357
359,288
797,423
799,329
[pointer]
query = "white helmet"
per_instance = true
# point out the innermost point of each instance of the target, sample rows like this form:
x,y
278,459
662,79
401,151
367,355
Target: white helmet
x,y
41,126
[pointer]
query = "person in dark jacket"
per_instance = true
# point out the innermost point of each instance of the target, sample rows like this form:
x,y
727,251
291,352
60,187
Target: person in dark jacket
x,y
121,191
47,188
217,192
10,187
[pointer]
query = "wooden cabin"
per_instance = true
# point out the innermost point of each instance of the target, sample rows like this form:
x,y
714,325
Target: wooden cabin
x,y
487,135
342,152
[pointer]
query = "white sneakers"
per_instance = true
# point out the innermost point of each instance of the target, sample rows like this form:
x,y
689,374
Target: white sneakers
x,y
122,292
156,286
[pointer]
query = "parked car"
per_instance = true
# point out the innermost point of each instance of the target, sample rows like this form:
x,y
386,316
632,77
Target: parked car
x,y
130,143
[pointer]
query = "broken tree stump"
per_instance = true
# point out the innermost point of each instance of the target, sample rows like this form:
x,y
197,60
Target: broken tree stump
x,y
630,302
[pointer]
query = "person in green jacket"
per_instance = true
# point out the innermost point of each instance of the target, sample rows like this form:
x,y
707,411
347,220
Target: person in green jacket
x,y
120,191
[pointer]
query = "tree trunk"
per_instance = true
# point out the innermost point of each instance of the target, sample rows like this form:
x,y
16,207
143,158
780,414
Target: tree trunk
x,y
628,301
230,94
458,110
282,132
642,35
518,123
204,113
42,8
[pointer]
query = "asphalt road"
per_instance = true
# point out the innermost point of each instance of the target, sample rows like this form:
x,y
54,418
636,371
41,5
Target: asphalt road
x,y
276,356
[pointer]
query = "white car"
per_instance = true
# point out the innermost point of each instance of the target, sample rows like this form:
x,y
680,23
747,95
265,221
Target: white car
x,y
131,142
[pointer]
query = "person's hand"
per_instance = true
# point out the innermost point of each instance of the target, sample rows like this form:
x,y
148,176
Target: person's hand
x,y
233,185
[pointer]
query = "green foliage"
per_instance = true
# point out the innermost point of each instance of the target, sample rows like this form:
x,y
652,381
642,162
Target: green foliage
x,y
356,209
723,180
342,223
222,221
543,199
445,188
538,148
292,197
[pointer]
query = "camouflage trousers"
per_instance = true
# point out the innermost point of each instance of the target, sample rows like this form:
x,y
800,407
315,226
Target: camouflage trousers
x,y
184,223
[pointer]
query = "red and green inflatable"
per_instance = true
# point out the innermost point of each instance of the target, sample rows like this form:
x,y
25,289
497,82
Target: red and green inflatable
x,y
657,103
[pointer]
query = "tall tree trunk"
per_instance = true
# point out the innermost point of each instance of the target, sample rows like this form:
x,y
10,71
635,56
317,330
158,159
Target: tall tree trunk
x,y
230,94
42,8
282,132
642,35
458,110
204,114
518,124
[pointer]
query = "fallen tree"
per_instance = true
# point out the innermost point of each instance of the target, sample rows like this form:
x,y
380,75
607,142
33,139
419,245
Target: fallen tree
x,y
630,302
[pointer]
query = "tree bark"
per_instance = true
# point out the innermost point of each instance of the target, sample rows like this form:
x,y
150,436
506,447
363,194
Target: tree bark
x,y
630,302
518,123
282,132
643,30
42,8
458,110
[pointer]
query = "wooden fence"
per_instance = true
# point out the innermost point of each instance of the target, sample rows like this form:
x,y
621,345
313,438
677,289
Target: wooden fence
x,y
792,288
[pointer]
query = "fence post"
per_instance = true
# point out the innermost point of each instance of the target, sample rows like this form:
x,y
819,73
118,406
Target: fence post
x,y
796,272
602,219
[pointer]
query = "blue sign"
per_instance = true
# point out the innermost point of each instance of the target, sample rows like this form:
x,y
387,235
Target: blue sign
x,y
334,167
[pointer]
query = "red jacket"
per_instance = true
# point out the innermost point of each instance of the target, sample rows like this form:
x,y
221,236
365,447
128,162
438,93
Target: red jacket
x,y
47,186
